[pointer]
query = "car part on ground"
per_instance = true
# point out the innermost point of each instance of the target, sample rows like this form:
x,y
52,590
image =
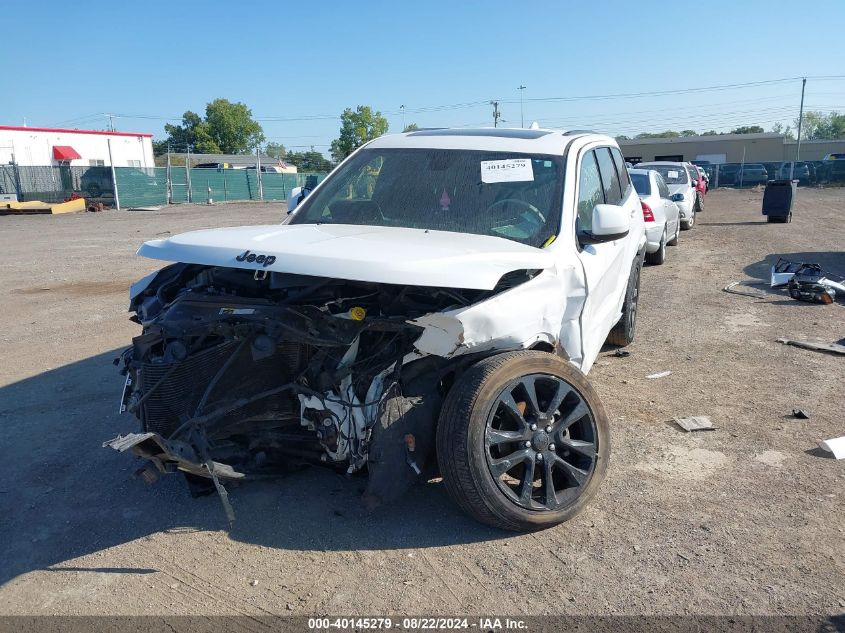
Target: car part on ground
x,y
807,282
833,348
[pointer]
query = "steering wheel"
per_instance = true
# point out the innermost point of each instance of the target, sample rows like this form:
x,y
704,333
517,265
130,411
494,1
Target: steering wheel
x,y
520,203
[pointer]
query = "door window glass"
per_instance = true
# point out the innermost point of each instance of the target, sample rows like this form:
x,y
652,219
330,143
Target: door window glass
x,y
589,192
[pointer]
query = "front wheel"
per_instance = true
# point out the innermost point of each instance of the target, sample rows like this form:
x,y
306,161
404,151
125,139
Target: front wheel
x,y
523,441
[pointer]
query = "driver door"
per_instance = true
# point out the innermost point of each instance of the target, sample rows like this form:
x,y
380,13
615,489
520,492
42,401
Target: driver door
x,y
606,265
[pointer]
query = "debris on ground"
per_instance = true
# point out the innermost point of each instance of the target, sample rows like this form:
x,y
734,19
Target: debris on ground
x,y
732,288
803,414
806,281
661,374
621,353
695,423
835,446
782,272
834,348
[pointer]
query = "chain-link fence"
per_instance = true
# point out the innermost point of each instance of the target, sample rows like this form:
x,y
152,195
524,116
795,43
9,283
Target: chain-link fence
x,y
145,187
807,173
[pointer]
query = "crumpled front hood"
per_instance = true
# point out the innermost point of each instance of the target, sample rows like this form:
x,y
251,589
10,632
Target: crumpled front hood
x,y
362,253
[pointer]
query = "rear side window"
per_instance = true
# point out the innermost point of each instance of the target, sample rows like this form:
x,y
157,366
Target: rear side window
x,y
622,171
662,187
589,191
609,176
641,184
693,173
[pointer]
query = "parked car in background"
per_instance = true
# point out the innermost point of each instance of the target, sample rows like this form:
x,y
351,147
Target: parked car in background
x,y
834,166
751,174
727,174
709,171
445,315
703,177
700,186
660,213
799,171
97,180
679,181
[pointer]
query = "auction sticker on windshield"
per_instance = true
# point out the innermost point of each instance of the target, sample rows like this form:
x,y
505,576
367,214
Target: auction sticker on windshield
x,y
509,170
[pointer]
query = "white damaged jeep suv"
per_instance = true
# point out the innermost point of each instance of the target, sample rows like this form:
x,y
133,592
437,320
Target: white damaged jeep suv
x,y
432,307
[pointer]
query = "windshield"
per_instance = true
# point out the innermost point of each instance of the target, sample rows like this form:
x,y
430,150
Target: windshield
x,y
503,194
641,184
672,174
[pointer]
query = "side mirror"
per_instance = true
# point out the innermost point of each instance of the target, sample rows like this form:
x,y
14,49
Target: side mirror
x,y
677,197
610,222
296,195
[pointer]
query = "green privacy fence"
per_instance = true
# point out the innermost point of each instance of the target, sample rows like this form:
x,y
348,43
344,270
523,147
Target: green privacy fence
x,y
160,185
146,187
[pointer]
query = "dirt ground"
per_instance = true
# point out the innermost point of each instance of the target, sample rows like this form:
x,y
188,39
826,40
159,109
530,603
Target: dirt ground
x,y
746,519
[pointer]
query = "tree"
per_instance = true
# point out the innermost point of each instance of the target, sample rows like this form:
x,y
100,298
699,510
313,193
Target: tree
x,y
689,133
228,128
709,133
275,150
311,161
192,135
666,134
356,128
232,127
748,129
411,127
778,128
622,137
818,125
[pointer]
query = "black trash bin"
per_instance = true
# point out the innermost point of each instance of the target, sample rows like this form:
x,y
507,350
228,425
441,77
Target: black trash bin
x,y
778,198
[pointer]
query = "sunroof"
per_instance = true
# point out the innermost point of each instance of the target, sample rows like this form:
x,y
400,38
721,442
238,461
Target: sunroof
x,y
494,132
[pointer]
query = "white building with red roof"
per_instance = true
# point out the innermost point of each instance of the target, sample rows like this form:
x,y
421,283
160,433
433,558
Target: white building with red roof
x,y
41,146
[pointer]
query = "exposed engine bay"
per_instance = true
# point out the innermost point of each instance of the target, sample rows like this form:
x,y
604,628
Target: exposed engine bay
x,y
243,373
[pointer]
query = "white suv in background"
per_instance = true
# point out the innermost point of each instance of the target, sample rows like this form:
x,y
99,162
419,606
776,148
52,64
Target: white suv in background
x,y
434,304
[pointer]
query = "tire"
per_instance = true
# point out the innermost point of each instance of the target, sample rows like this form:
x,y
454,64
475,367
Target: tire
x,y
657,258
674,240
472,448
686,225
623,332
699,203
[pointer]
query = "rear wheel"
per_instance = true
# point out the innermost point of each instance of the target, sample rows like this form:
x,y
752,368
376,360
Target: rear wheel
x,y
622,333
688,224
659,256
523,441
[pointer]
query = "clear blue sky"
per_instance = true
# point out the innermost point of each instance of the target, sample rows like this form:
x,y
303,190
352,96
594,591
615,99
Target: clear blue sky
x,y
65,64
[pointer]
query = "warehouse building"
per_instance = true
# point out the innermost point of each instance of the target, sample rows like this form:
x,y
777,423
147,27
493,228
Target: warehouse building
x,y
38,146
727,148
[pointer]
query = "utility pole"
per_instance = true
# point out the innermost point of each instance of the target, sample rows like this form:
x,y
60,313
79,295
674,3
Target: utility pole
x,y
402,107
110,117
800,119
113,178
521,117
496,114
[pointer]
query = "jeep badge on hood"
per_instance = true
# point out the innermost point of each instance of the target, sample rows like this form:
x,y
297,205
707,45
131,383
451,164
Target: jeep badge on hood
x,y
246,256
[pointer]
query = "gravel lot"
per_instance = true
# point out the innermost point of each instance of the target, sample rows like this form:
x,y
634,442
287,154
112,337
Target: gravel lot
x,y
747,519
